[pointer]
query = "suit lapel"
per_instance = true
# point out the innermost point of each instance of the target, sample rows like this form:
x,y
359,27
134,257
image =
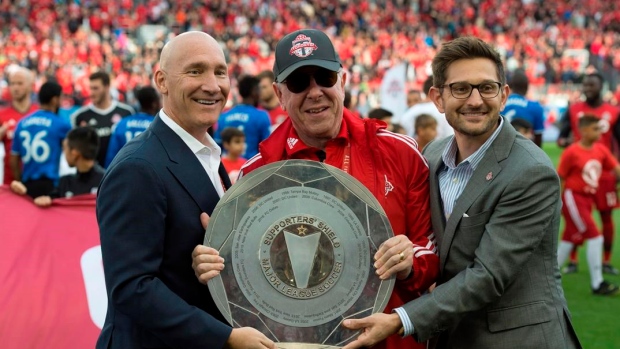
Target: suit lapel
x,y
476,186
224,176
186,168
433,154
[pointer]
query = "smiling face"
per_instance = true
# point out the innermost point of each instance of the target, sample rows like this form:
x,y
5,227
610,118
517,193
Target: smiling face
x,y
474,116
193,80
316,112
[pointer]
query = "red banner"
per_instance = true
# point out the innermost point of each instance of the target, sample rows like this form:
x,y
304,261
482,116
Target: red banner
x,y
52,290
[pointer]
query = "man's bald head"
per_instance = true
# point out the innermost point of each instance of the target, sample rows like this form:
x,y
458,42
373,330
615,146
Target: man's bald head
x,y
21,72
193,81
181,46
20,83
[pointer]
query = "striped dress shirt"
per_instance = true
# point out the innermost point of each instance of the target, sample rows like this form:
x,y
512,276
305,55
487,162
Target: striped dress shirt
x,y
453,178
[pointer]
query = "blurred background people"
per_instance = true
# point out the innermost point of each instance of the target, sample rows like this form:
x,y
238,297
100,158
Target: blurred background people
x,y
131,126
245,116
21,83
37,147
519,107
102,113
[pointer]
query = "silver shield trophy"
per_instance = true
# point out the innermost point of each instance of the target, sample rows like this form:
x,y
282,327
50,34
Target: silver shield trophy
x,y
298,239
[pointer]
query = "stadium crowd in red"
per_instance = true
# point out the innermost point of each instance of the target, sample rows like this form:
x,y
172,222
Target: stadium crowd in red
x,y
71,39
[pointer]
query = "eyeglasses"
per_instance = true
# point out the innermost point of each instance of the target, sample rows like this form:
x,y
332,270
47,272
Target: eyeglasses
x,y
462,90
299,81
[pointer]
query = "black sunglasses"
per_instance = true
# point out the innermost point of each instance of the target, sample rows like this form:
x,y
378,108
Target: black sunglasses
x,y
299,81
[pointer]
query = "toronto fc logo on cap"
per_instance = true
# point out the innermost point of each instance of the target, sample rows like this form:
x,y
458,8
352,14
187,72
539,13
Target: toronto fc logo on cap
x,y
302,46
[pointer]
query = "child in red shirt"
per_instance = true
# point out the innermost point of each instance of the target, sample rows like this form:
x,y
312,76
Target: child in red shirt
x,y
580,169
233,141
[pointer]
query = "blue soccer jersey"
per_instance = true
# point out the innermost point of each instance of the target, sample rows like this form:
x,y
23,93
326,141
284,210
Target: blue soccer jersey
x,y
254,123
38,142
518,106
124,131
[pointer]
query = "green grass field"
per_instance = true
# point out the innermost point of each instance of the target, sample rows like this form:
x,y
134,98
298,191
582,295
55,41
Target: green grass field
x,y
596,318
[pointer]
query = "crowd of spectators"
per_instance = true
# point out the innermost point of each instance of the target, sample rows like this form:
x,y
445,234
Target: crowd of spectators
x,y
69,40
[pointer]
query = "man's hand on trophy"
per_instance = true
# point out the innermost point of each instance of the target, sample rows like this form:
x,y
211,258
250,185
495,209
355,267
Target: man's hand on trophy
x,y
248,338
206,261
394,257
375,328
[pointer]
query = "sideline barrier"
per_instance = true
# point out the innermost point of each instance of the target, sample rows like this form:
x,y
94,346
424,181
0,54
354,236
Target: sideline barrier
x,y
52,292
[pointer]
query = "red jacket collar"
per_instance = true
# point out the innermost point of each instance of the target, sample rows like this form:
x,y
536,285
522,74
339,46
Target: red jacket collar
x,y
366,157
294,144
284,141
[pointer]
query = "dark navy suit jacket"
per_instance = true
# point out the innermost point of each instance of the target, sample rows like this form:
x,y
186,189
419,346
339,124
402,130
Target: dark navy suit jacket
x,y
148,211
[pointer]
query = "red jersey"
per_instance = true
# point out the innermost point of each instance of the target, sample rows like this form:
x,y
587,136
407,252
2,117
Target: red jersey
x,y
9,117
277,116
393,169
581,168
233,167
606,112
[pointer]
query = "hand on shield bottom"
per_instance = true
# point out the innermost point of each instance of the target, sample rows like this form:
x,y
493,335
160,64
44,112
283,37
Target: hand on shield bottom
x,y
248,338
376,328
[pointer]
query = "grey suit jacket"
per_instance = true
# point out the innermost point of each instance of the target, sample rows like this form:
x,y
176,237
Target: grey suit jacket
x,y
499,284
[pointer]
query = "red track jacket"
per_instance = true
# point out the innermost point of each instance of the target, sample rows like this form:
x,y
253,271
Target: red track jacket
x,y
393,169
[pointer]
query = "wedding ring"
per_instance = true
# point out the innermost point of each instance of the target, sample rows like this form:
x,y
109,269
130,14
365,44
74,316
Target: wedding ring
x,y
402,256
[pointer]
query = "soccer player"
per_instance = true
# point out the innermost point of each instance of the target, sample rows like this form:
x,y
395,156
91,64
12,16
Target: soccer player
x,y
102,113
133,125
519,107
606,197
268,99
252,121
581,166
233,141
80,149
20,89
38,144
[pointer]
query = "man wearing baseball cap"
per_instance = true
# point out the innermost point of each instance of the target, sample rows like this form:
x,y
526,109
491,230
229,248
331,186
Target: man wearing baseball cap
x,y
310,86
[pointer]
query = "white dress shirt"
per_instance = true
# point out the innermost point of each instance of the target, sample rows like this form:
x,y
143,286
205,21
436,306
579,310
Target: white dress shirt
x,y
209,155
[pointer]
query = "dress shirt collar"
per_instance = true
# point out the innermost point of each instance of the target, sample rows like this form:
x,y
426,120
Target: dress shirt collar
x,y
194,145
449,154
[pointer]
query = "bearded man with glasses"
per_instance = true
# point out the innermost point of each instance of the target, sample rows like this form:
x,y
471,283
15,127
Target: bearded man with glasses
x,y
310,86
495,204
